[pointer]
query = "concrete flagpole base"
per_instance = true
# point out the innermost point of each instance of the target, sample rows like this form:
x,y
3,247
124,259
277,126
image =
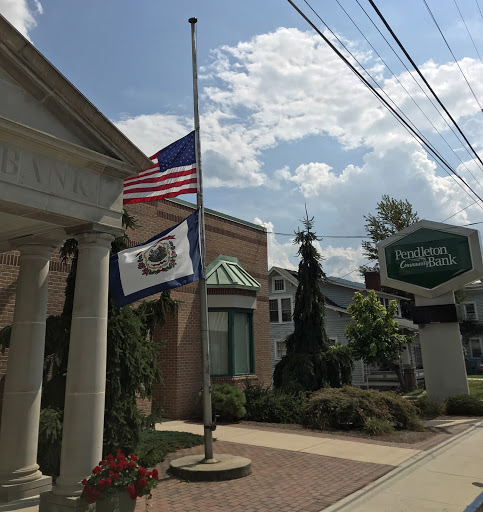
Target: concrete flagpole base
x,y
225,467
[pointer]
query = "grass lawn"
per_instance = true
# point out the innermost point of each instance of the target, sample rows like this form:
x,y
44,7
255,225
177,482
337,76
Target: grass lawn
x,y
475,376
476,388
154,445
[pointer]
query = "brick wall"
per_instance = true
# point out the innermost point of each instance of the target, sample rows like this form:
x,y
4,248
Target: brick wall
x,y
180,358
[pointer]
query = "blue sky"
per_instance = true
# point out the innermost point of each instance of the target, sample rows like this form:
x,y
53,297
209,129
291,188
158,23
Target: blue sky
x,y
284,123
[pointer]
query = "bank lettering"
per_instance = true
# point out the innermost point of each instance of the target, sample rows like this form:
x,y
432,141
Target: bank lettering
x,y
428,257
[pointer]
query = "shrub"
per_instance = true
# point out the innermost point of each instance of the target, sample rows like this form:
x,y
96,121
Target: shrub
x,y
464,405
428,408
263,404
377,427
403,413
50,441
351,408
228,402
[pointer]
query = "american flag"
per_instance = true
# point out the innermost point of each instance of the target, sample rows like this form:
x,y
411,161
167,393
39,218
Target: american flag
x,y
173,173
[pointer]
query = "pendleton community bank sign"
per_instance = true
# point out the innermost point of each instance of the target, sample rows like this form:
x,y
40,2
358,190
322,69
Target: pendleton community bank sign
x,y
430,258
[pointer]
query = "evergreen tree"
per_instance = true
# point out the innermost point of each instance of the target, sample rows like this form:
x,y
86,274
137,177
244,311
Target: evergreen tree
x,y
310,363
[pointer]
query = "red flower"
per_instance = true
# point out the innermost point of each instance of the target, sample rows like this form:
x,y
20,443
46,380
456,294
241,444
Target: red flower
x,y
110,457
142,483
84,481
115,476
142,471
132,492
97,470
120,456
155,474
103,463
133,457
131,465
118,450
113,466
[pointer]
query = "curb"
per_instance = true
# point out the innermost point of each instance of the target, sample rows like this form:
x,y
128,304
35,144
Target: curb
x,y
476,506
375,487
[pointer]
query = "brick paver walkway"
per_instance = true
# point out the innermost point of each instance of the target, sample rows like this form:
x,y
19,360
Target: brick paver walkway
x,y
282,481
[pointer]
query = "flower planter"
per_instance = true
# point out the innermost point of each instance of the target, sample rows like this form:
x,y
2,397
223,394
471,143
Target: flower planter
x,y
117,502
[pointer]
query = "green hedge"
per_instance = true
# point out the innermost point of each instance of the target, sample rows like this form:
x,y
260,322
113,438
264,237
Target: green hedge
x,y
269,406
351,408
464,405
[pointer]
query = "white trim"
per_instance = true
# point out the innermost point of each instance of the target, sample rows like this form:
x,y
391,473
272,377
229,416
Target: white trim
x,y
466,311
279,299
274,280
471,348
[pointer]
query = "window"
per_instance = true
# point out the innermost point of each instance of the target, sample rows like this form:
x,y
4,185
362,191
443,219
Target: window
x,y
280,310
385,302
231,342
476,347
470,309
286,308
279,285
273,310
281,349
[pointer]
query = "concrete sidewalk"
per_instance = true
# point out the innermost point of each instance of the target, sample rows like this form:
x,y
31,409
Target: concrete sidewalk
x,y
303,471
447,478
328,446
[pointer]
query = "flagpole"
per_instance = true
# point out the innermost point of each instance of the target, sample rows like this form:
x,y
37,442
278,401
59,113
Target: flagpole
x,y
207,412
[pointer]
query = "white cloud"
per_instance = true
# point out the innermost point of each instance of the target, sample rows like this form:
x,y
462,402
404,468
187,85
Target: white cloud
x,y
287,85
20,14
279,254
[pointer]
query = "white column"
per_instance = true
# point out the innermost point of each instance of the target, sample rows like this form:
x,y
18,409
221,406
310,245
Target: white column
x,y
442,353
19,471
86,371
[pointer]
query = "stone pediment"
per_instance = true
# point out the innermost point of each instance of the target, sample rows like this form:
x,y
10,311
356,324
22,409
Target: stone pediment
x,y
35,94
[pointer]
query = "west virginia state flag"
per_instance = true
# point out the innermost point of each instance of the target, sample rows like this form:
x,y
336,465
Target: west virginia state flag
x,y
166,261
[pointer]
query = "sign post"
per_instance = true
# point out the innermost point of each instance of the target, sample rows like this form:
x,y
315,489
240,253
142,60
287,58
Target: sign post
x,y
432,260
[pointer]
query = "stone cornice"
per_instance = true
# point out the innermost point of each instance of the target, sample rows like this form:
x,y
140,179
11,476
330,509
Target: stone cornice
x,y
48,86
47,144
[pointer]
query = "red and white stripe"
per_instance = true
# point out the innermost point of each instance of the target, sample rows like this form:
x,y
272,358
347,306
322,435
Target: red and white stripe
x,y
151,185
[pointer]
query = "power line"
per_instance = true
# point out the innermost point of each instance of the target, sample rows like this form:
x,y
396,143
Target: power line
x,y
468,30
422,77
419,85
412,132
462,210
451,51
478,5
408,93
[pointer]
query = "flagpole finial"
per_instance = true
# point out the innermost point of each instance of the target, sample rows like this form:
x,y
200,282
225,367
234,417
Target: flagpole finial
x,y
193,20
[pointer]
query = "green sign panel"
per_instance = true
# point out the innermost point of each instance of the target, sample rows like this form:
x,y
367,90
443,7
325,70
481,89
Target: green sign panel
x,y
428,257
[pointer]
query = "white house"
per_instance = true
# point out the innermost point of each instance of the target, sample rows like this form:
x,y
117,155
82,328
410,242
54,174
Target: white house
x,y
472,334
338,294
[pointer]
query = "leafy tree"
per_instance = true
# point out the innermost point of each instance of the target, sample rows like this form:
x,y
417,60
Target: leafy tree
x,y
392,216
374,334
310,363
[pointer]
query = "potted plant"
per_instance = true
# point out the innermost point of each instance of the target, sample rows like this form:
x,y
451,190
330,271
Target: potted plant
x,y
117,482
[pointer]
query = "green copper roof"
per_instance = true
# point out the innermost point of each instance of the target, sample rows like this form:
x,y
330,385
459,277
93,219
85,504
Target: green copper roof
x,y
226,272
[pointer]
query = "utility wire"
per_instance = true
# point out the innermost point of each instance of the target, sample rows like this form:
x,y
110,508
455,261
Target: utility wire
x,y
420,87
386,104
468,30
408,93
478,5
422,77
462,210
452,53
